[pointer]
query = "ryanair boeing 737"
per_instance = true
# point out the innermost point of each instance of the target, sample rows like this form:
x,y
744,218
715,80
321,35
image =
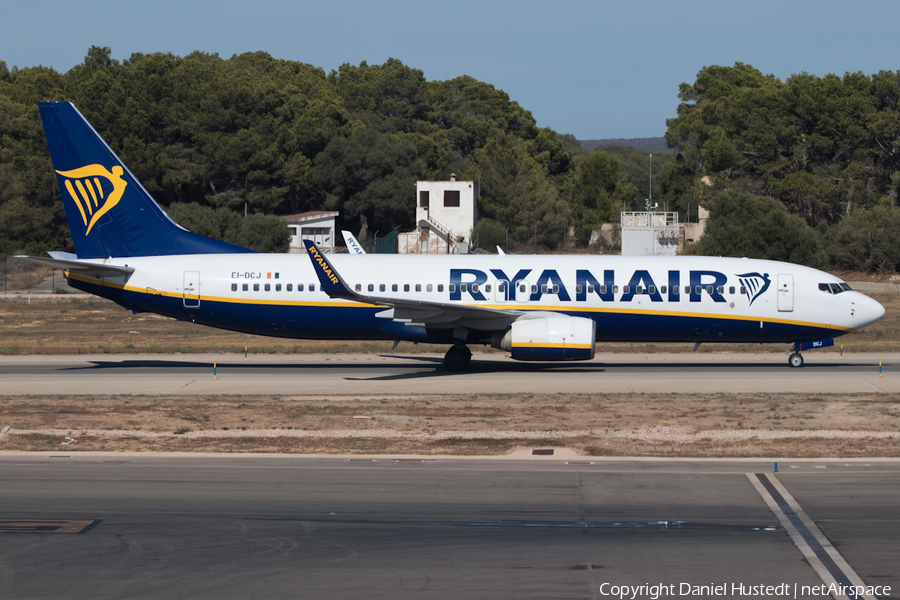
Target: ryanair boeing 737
x,y
541,308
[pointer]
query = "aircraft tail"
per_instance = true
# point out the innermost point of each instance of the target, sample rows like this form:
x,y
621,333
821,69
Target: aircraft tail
x,y
110,213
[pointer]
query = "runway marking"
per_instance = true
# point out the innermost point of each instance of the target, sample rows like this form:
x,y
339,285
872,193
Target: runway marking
x,y
48,525
824,558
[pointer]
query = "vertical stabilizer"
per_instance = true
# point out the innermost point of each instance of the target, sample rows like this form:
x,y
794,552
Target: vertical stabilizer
x,y
110,213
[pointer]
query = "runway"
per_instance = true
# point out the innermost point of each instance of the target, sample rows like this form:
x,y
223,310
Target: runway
x,y
159,526
422,373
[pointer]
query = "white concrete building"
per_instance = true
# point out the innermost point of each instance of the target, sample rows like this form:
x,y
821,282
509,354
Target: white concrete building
x,y
446,212
649,233
317,226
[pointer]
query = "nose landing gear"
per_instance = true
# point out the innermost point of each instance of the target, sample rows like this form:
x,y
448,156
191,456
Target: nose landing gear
x,y
795,359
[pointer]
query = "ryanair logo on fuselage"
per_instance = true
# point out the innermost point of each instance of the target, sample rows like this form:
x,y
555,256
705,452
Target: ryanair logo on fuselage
x,y
754,284
94,190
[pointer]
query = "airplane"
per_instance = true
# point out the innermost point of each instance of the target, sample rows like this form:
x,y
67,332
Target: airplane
x,y
353,246
537,308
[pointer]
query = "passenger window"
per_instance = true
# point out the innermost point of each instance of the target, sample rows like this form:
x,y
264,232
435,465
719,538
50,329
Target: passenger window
x,y
578,289
662,290
522,288
638,289
651,289
709,290
501,287
487,288
731,290
371,287
358,287
616,289
406,287
534,289
277,287
555,289
463,287
687,289
743,290
676,289
721,289
428,288
394,288
290,287
591,289
440,287
233,287
244,287
268,287
255,287
474,288
451,287
299,287
626,289
418,287
543,289
312,287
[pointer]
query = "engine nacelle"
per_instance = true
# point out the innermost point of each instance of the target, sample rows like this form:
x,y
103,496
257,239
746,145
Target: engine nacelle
x,y
553,337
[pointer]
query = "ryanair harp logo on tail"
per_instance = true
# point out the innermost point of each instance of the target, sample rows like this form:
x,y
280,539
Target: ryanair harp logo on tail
x,y
94,190
755,284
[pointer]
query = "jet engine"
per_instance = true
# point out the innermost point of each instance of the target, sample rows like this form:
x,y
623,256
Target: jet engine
x,y
550,337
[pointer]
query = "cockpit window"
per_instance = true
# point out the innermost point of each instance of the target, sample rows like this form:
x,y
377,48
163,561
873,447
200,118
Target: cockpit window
x,y
834,288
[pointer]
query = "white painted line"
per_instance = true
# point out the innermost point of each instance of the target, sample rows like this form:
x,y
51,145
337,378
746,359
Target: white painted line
x,y
824,558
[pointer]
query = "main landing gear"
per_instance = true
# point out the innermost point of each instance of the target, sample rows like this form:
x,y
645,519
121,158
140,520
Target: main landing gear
x,y
795,359
457,358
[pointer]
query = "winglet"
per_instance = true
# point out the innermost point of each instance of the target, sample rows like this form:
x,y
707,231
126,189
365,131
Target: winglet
x,y
330,281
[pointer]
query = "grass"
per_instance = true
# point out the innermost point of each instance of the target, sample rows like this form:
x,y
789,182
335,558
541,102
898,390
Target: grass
x,y
60,324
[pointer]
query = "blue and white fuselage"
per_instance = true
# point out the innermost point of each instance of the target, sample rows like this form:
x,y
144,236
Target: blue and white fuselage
x,y
536,307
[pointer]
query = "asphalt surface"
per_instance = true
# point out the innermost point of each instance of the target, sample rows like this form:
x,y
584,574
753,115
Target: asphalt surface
x,y
157,526
423,373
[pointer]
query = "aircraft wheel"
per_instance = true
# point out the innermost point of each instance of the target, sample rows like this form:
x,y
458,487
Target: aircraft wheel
x,y
457,358
795,360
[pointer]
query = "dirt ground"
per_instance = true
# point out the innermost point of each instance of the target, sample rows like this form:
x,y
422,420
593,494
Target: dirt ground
x,y
702,425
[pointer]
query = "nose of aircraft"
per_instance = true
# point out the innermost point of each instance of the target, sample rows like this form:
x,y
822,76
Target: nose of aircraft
x,y
869,310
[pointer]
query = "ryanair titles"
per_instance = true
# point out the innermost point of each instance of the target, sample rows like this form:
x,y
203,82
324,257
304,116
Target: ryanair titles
x,y
529,285
322,265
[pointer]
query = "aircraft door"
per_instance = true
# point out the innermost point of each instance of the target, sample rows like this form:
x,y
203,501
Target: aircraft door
x,y
501,290
523,291
785,293
191,290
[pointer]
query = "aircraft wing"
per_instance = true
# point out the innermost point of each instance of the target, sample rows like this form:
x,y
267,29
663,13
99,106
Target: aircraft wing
x,y
437,315
70,262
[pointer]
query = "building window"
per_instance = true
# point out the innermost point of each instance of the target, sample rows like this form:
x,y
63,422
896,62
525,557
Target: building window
x,y
451,199
423,198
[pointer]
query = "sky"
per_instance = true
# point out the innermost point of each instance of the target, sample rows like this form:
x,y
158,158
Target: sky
x,y
595,69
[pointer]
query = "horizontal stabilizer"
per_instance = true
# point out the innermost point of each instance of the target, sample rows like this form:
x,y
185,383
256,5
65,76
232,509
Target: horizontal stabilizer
x,y
74,264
